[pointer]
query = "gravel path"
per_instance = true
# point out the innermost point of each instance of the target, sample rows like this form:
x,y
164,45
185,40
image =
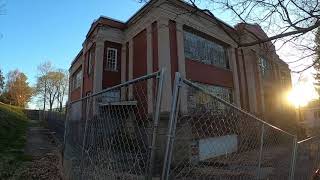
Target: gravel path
x,y
46,159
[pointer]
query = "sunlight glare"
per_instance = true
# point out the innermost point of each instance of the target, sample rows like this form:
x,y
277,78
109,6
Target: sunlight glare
x,y
302,94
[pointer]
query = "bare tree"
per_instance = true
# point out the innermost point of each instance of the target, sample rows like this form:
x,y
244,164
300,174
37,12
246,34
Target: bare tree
x,y
53,79
292,22
62,87
42,80
52,85
284,17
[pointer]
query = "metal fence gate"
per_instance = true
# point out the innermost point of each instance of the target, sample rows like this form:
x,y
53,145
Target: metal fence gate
x,y
111,134
210,138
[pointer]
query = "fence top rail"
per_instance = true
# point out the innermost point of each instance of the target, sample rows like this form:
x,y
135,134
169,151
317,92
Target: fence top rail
x,y
308,139
190,83
125,84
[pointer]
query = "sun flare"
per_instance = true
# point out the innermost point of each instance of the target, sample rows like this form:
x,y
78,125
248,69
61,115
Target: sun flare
x,y
302,94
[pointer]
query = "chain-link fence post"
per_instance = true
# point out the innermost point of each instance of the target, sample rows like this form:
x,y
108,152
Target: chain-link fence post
x,y
260,151
172,127
155,122
67,111
294,157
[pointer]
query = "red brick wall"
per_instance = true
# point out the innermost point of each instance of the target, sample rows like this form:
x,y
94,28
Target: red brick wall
x,y
75,94
208,74
155,47
173,49
111,78
140,69
140,54
87,79
127,61
246,92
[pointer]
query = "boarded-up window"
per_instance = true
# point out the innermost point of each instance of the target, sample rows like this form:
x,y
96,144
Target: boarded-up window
x,y
197,97
205,51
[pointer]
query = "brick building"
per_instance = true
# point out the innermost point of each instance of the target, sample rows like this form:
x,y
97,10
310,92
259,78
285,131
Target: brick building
x,y
162,35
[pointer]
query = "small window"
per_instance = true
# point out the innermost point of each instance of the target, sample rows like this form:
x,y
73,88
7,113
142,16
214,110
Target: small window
x,y
111,64
264,66
111,96
76,79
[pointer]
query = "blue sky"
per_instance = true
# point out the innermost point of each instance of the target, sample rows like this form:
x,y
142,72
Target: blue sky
x,y
34,31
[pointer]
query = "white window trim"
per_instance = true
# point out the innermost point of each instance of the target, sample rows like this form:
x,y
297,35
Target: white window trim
x,y
116,59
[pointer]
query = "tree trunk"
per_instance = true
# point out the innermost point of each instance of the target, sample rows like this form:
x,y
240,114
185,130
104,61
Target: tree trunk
x,y
60,106
44,96
50,102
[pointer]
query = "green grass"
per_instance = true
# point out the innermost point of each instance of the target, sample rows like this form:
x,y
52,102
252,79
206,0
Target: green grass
x,y
13,126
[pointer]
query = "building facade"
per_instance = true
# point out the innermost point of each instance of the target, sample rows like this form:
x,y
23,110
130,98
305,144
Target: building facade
x,y
309,117
162,35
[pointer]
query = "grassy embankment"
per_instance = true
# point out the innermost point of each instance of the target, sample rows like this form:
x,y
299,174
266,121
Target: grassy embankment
x,y
13,126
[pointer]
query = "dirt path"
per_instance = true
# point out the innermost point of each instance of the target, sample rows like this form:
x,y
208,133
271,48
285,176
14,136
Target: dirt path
x,y
44,151
39,142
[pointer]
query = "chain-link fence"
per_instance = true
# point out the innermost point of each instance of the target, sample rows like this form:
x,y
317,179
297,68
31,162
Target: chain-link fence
x,y
112,134
55,122
209,138
308,158
119,134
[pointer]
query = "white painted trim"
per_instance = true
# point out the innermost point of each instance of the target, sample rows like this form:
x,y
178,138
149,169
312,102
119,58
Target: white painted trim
x,y
165,61
249,56
130,75
149,68
182,66
98,66
260,83
235,74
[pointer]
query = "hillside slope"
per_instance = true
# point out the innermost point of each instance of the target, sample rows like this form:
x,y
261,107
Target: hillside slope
x,y
13,126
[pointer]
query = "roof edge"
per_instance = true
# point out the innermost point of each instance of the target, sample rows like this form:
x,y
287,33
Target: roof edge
x,y
76,58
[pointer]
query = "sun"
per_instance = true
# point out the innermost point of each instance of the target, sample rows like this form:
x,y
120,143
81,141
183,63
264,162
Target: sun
x,y
302,94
